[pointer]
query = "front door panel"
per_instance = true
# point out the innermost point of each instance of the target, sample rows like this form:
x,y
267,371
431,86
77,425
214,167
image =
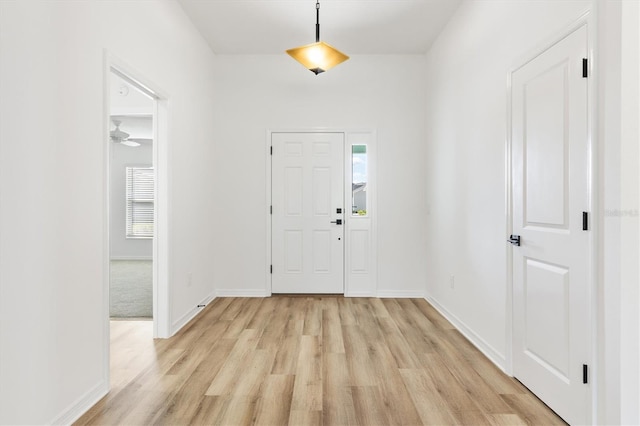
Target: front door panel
x,y
307,193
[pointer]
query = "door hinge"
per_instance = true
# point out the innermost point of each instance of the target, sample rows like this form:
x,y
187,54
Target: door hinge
x,y
585,373
271,269
585,221
271,150
585,68
270,209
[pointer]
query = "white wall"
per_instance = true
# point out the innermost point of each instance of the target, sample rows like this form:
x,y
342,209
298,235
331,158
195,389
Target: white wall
x,y
52,213
466,126
125,99
260,93
630,229
622,213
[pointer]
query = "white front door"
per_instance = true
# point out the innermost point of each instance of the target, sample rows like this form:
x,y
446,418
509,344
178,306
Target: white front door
x,y
308,214
550,159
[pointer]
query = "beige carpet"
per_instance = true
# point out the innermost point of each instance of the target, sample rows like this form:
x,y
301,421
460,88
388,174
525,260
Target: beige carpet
x,y
131,289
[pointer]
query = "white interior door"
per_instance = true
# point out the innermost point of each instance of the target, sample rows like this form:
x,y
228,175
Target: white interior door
x,y
551,316
307,213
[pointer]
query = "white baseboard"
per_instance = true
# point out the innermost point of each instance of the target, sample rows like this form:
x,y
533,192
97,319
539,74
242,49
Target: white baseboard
x,y
234,292
489,351
184,320
360,294
82,404
131,258
400,294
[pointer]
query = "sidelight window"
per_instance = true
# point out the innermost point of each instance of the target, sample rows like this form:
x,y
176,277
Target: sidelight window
x,y
359,180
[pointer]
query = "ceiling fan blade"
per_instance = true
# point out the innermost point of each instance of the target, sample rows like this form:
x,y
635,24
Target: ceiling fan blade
x,y
129,142
116,134
143,140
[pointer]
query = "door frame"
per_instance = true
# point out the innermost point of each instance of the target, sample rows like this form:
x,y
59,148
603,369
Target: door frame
x,y
584,20
358,283
161,247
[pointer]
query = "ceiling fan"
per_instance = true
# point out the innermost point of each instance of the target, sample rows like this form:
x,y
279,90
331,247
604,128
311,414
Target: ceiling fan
x,y
118,136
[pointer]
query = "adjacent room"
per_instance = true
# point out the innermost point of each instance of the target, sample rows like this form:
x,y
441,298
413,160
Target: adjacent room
x,y
131,200
202,224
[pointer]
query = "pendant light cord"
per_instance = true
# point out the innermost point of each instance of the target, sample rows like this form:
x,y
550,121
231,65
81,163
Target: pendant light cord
x,y
317,21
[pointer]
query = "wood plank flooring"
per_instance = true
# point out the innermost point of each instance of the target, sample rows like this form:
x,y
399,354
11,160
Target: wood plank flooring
x,y
319,360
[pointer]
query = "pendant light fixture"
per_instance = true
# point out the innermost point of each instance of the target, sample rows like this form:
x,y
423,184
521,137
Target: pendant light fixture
x,y
319,56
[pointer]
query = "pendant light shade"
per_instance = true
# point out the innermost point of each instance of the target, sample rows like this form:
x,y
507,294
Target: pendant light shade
x,y
319,56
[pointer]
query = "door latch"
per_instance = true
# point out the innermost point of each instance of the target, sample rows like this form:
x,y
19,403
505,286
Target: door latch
x,y
337,221
514,239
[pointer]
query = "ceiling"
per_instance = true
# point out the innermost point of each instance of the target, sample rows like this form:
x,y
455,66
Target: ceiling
x,y
353,26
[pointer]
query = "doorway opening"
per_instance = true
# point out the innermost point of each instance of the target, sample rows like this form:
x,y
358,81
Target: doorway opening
x,y
131,200
136,199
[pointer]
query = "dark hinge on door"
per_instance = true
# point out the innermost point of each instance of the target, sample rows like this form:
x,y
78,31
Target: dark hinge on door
x,y
270,209
271,150
271,269
585,373
585,221
585,68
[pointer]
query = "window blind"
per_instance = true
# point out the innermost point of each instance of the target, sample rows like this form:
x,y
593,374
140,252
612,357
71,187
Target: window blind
x,y
140,189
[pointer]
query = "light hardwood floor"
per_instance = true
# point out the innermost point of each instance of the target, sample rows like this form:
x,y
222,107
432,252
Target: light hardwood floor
x,y
310,360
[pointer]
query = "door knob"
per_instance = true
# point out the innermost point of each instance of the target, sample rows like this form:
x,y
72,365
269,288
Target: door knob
x,y
514,239
337,221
